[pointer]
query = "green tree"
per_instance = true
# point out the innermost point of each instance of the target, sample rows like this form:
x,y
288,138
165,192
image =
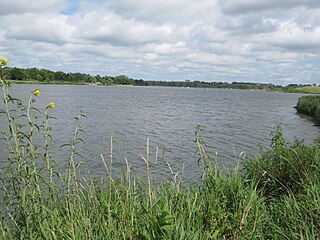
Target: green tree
x,y
17,74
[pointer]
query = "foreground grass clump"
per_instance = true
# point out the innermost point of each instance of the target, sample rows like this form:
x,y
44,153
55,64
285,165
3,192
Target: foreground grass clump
x,y
310,106
276,196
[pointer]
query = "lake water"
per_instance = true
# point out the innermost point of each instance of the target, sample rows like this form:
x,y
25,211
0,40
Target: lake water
x,y
234,121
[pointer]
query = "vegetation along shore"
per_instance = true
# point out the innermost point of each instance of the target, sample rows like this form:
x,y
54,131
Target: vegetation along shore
x,y
40,76
310,106
274,196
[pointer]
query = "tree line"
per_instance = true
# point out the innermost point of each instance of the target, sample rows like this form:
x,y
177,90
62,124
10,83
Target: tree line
x,y
49,76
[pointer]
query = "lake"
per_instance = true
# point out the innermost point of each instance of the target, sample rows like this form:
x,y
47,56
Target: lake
x,y
233,120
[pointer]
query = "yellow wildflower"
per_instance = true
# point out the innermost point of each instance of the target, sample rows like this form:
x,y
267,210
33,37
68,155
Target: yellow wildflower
x,y
3,61
51,105
36,92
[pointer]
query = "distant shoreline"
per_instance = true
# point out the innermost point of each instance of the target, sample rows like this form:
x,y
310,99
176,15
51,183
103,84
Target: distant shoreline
x,y
304,89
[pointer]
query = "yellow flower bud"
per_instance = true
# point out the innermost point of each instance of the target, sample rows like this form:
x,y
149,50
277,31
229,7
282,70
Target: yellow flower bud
x,y
3,61
36,92
51,105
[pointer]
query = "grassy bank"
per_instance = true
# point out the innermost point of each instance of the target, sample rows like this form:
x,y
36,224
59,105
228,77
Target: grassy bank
x,y
307,89
275,196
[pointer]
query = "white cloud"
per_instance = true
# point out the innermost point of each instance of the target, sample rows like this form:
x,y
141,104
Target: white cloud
x,y
212,40
291,37
166,48
156,10
25,6
247,6
114,29
46,28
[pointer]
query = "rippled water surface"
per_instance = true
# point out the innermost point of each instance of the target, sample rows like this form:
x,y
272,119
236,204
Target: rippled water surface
x,y
234,120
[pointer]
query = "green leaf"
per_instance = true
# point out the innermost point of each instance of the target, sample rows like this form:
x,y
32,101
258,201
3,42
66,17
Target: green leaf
x,y
65,145
215,234
23,197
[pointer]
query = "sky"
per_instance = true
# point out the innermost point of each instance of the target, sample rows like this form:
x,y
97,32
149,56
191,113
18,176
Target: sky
x,y
267,41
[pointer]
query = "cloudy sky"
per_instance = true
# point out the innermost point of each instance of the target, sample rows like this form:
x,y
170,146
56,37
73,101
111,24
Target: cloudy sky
x,y
275,41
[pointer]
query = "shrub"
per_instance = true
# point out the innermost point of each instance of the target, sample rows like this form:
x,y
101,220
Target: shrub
x,y
285,168
310,106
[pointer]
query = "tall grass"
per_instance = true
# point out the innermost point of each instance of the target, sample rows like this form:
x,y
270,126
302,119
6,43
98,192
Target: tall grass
x,y
276,196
